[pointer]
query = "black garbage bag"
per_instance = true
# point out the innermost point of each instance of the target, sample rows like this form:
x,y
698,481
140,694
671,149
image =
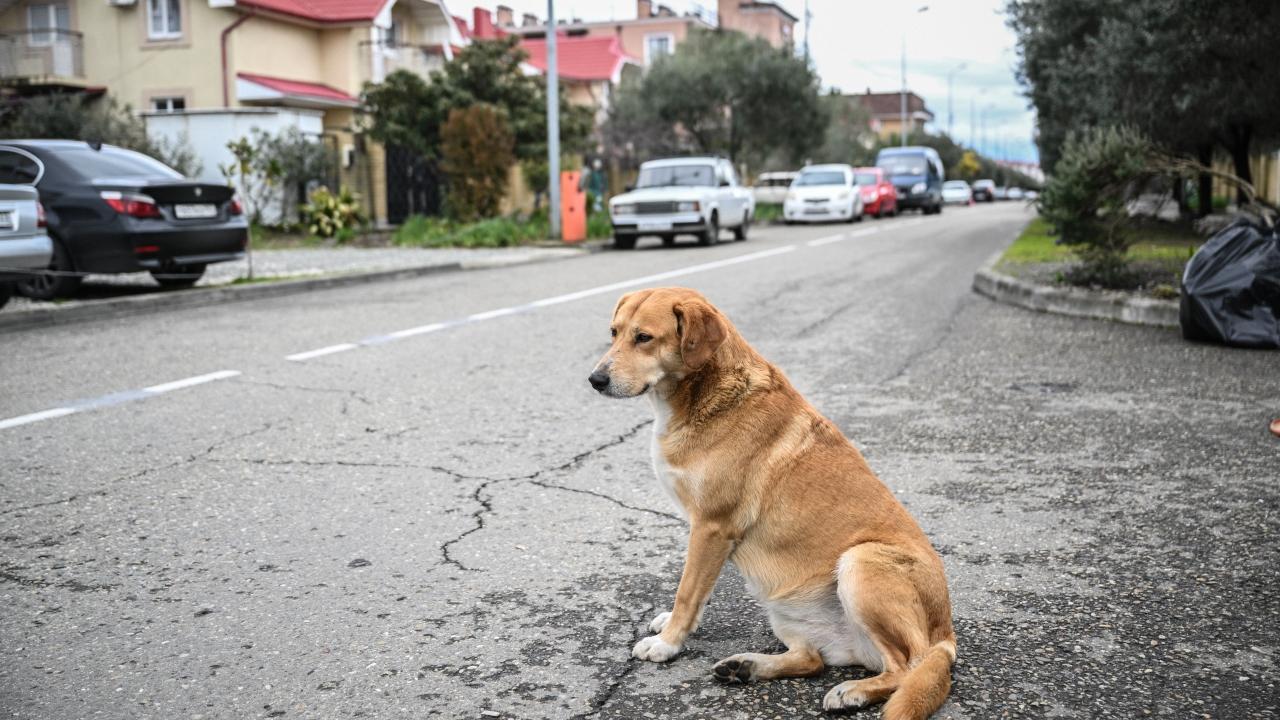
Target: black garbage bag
x,y
1231,288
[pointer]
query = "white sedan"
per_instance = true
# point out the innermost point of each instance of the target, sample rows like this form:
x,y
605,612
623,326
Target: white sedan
x,y
957,192
823,192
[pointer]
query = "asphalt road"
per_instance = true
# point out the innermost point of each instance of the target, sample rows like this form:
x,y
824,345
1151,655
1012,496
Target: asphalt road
x,y
428,513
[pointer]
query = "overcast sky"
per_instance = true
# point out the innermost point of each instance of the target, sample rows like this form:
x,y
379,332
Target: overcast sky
x,y
857,44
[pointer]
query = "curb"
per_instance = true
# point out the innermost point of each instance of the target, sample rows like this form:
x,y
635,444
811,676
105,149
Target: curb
x,y
201,297
1074,302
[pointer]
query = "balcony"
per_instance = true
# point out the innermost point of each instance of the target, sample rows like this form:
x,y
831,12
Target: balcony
x,y
36,58
383,57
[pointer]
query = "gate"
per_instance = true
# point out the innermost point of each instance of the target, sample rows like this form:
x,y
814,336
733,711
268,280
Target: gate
x,y
413,185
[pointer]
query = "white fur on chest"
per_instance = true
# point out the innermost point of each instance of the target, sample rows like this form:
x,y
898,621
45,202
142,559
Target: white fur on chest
x,y
667,476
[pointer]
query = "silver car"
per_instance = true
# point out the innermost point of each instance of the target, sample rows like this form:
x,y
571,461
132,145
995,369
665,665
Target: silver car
x,y
24,244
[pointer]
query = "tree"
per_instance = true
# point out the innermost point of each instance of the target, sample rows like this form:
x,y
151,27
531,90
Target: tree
x,y
723,93
967,168
848,137
477,148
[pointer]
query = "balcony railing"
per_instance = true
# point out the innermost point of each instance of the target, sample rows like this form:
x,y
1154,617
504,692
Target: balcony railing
x,y
383,57
41,57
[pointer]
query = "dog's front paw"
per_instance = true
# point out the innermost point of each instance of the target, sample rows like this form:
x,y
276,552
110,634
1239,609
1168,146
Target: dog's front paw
x,y
654,649
659,622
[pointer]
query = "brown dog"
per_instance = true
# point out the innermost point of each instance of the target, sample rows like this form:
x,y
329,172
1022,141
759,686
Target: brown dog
x,y
846,575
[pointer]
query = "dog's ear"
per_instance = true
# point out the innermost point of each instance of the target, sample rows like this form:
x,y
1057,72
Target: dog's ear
x,y
702,331
639,294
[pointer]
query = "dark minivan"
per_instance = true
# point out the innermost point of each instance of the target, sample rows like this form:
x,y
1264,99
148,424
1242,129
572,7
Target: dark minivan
x,y
916,173
112,210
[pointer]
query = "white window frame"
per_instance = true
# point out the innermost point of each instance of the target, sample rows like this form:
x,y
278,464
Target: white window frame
x,y
671,45
168,101
163,34
49,34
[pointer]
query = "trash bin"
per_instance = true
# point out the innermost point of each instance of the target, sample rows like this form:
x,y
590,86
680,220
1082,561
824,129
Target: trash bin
x,y
573,207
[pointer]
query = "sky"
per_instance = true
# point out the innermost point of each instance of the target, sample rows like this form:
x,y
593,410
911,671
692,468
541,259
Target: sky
x,y
857,44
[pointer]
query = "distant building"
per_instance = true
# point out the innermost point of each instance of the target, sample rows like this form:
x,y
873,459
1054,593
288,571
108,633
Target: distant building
x,y
886,112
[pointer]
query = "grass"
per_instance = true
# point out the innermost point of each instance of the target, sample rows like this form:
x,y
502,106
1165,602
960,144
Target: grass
x,y
1156,242
768,212
420,231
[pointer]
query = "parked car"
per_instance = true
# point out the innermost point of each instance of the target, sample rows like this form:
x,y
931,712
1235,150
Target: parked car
x,y
957,192
1030,195
917,174
24,244
771,187
682,196
984,190
879,197
823,192
1015,193
1001,193
112,210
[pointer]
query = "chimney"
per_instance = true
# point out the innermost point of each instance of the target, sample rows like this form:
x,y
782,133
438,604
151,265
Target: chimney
x,y
506,16
529,20
482,24
644,9
664,11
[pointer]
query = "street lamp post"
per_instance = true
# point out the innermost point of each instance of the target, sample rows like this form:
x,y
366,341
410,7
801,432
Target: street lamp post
x,y
951,115
553,125
902,128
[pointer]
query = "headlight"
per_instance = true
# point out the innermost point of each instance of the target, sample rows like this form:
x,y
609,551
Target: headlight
x,y
842,197
918,188
688,207
624,209
885,190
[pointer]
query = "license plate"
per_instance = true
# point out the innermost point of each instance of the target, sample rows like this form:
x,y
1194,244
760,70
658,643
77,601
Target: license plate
x,y
655,226
6,220
188,212
815,211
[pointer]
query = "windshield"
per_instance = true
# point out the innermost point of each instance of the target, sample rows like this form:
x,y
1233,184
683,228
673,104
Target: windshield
x,y
956,185
903,164
866,178
113,163
680,175
820,177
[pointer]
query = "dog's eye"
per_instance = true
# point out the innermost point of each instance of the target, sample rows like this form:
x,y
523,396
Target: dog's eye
x,y
613,332
643,338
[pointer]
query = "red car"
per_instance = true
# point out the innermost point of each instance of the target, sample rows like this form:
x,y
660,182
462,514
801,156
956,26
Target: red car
x,y
879,197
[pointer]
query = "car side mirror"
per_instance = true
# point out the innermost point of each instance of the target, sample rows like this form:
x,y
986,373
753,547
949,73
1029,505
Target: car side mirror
x,y
629,188
724,183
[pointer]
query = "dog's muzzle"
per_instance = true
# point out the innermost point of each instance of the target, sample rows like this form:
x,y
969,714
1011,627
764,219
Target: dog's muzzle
x,y
599,380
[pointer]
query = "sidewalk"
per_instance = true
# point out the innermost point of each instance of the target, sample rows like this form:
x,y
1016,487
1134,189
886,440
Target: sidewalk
x,y
275,272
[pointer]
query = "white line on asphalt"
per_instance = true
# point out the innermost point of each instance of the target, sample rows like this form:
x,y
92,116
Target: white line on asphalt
x,y
188,382
299,357
545,302
843,236
116,398
35,417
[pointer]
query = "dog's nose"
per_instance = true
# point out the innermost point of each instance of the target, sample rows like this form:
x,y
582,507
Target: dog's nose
x,y
599,380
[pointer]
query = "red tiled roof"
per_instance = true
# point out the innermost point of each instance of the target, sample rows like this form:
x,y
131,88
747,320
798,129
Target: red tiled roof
x,y
883,104
579,58
333,11
298,88
462,27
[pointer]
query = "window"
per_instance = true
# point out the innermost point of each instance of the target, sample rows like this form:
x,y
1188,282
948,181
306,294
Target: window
x,y
110,162
18,168
164,19
656,46
677,175
168,104
45,20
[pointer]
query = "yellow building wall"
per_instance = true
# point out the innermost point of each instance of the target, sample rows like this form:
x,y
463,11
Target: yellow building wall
x,y
269,47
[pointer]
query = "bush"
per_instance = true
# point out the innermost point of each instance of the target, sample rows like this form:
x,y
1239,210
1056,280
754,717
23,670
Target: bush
x,y
1099,171
332,215
478,151
272,170
768,212
73,117
419,231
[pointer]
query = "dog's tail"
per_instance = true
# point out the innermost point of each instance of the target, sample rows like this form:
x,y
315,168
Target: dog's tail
x,y
926,685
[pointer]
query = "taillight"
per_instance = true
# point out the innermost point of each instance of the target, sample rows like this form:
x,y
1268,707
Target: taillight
x,y
235,208
139,206
40,219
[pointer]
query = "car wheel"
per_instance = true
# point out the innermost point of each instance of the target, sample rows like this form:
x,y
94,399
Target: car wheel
x,y
740,232
6,292
178,276
52,286
624,242
668,240
711,235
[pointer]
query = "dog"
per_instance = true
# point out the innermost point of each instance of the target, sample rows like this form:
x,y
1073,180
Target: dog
x,y
845,574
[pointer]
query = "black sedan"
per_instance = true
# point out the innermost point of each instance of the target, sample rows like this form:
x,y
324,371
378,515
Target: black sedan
x,y
112,210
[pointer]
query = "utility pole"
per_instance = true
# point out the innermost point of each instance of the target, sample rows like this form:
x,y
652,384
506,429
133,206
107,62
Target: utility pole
x,y
807,17
902,130
553,125
951,115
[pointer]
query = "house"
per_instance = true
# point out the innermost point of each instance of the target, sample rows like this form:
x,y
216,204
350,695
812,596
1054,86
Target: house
x,y
759,19
211,69
886,112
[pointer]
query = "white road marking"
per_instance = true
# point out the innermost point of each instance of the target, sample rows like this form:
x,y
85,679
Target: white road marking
x,y
188,382
420,330
35,417
826,240
299,357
